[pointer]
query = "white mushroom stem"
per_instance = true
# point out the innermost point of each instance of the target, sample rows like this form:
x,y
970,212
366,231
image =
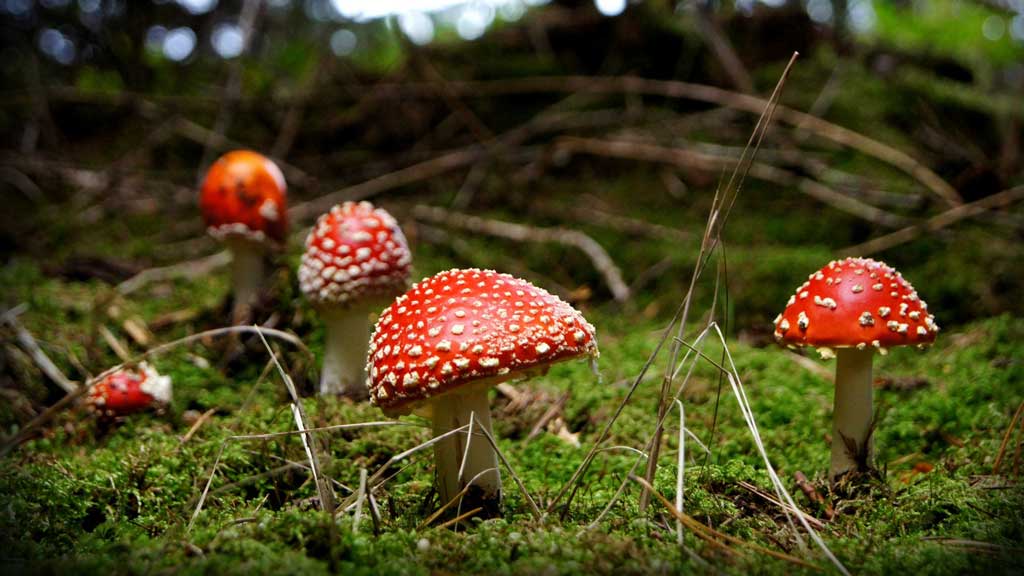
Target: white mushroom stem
x,y
248,267
480,468
852,443
348,337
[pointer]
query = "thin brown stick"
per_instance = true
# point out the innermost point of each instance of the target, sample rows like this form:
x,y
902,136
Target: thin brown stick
x,y
186,270
425,170
773,500
935,223
203,418
522,233
813,495
120,350
548,415
460,518
437,513
1006,439
710,534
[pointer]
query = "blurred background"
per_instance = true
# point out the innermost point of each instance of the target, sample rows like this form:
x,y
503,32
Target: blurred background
x,y
617,119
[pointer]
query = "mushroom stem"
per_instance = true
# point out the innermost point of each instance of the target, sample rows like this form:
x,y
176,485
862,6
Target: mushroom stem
x,y
348,337
852,444
452,411
248,266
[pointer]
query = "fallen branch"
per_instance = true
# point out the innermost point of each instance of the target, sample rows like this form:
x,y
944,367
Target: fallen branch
x,y
522,233
187,270
711,163
403,177
935,223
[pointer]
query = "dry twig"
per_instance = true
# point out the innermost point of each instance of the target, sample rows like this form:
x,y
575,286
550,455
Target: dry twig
x,y
522,233
935,223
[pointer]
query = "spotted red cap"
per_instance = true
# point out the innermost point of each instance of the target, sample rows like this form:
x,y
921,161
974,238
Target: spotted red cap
x,y
464,326
355,251
243,194
856,302
129,390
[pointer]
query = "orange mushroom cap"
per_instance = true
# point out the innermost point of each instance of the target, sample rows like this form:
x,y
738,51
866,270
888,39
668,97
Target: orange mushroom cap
x,y
856,302
243,194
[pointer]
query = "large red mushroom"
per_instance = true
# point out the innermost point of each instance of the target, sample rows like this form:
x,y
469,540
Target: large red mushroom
x,y
356,261
851,309
438,349
243,203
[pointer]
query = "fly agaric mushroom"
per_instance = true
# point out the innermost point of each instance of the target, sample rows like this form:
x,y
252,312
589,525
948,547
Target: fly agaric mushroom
x,y
356,261
243,202
851,309
438,349
127,391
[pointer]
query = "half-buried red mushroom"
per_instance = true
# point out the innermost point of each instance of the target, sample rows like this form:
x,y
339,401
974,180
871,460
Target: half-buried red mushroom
x,y
439,348
852,309
129,390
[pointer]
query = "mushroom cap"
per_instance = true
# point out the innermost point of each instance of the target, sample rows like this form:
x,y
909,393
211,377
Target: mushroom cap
x,y
856,302
129,390
469,327
243,195
354,252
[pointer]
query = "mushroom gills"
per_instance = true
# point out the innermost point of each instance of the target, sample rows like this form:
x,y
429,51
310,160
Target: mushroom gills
x,y
452,411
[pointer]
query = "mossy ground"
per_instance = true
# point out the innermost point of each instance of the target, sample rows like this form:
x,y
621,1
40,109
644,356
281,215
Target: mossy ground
x,y
95,499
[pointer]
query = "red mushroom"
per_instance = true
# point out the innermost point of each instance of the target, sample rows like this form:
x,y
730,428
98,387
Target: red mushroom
x,y
851,309
438,349
128,391
356,261
243,202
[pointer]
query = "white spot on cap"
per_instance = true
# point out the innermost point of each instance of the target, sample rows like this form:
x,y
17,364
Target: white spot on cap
x,y
269,210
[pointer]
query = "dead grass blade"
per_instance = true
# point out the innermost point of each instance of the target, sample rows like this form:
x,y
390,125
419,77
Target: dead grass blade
x,y
206,489
330,428
308,438
360,498
725,198
537,514
374,480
